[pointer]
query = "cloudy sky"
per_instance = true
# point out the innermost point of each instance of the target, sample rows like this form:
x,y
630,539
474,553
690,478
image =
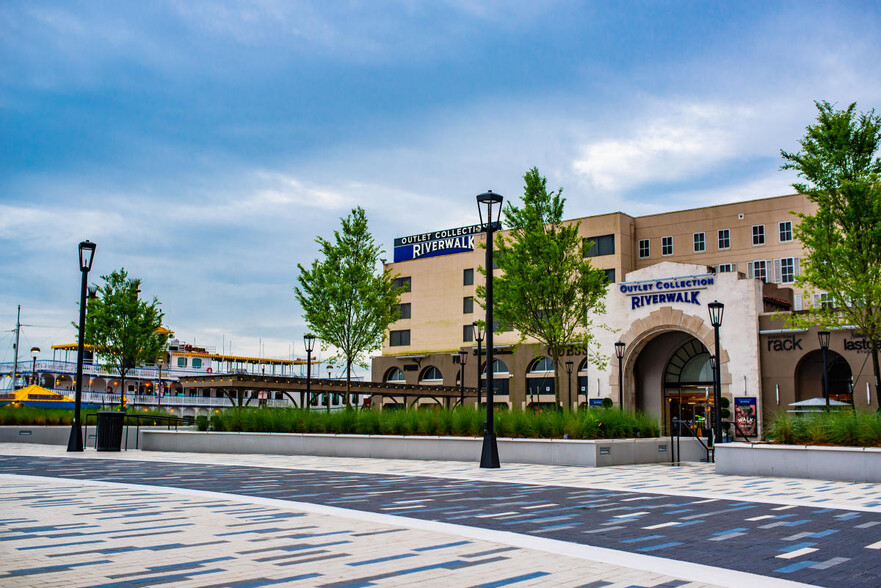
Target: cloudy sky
x,y
204,145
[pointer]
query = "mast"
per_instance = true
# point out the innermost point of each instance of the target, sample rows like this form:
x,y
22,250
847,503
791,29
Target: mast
x,y
15,347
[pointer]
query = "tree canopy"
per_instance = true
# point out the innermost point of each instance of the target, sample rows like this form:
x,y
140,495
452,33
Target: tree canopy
x,y
547,289
345,301
840,169
122,328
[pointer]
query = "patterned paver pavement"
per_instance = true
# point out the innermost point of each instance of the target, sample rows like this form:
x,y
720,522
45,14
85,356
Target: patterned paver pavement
x,y
652,525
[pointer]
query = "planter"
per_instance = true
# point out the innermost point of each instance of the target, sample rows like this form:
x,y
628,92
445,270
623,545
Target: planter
x,y
848,464
60,434
591,453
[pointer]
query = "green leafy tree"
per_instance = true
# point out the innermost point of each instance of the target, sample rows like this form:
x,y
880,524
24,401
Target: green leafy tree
x,y
547,289
123,329
345,302
842,175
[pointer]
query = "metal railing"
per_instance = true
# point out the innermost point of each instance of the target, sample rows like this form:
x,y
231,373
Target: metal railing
x,y
169,421
676,426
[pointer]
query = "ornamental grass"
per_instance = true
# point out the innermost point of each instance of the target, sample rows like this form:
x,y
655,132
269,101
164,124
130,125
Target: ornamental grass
x,y
35,416
595,423
838,427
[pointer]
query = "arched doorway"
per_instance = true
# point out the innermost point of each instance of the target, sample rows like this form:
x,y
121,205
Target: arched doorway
x,y
809,377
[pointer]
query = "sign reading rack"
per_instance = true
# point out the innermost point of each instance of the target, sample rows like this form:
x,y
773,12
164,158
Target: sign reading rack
x,y
444,242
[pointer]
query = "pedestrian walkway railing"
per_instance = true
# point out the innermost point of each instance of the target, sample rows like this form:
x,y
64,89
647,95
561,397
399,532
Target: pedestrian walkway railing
x,y
676,433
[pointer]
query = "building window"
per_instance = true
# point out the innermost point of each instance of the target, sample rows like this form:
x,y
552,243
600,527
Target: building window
x,y
724,238
468,305
644,248
726,267
405,310
786,269
468,277
431,374
610,275
758,234
500,327
700,243
181,362
405,282
666,245
395,375
399,338
785,231
468,333
197,363
602,245
758,270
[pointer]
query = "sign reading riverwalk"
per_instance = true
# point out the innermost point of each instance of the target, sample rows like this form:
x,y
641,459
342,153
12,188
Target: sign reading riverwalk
x,y
685,290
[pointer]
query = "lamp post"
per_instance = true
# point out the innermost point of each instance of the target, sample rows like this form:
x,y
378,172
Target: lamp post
x,y
35,351
327,395
478,336
823,336
619,353
87,255
717,309
463,356
159,364
489,456
569,378
309,342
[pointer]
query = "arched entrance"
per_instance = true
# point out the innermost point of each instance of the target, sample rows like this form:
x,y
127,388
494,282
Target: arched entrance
x,y
809,377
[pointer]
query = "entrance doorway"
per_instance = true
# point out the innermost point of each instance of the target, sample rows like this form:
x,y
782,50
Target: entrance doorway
x,y
809,377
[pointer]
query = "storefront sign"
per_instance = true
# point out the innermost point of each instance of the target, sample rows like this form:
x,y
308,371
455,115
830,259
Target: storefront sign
x,y
859,343
596,402
745,417
785,343
444,242
684,290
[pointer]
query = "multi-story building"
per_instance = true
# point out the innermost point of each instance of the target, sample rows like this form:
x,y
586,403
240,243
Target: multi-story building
x,y
663,269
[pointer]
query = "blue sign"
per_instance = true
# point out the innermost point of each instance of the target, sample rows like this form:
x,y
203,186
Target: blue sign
x,y
596,402
445,242
682,290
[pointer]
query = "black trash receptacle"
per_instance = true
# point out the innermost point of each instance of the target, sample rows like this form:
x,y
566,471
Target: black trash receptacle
x,y
109,436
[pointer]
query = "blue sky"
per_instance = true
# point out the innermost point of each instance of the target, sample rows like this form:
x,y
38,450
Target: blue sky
x,y
204,145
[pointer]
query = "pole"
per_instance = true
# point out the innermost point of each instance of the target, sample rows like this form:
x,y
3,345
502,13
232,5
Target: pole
x,y
75,442
15,362
34,371
717,391
479,382
159,391
620,384
489,457
461,382
308,379
825,380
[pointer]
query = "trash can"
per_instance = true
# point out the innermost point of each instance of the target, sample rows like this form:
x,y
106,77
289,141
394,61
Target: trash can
x,y
109,436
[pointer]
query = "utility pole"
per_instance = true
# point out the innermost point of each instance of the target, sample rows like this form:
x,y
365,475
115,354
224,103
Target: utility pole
x,y
15,348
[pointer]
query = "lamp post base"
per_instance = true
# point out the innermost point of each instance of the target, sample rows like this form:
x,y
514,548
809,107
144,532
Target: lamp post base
x,y
489,455
75,442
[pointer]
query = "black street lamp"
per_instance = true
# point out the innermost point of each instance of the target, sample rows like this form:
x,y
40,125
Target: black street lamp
x,y
569,365
824,345
159,363
35,351
327,396
87,255
309,342
478,336
717,309
619,353
463,356
489,456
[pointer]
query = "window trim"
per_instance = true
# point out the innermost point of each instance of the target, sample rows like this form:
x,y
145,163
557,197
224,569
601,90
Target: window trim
x,y
664,246
648,248
703,242
759,234
465,303
466,273
399,333
788,230
727,238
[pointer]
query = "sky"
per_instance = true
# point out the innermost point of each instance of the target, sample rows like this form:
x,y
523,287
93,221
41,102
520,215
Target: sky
x,y
205,145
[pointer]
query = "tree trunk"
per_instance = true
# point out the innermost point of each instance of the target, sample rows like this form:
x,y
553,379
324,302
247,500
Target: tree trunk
x,y
559,393
348,384
874,344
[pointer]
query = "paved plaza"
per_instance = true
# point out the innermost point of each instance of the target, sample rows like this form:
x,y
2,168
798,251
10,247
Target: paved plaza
x,y
147,518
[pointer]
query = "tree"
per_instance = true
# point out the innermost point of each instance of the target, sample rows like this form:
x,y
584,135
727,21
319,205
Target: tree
x,y
345,301
123,329
547,289
842,239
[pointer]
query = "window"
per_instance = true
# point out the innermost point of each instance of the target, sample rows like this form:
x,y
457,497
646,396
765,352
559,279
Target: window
x,y
405,310
405,282
726,267
785,231
468,305
644,248
666,245
399,338
699,242
431,373
758,234
610,275
545,364
197,363
758,270
468,277
500,327
724,238
395,375
823,299
602,245
786,269
797,302
181,362
467,333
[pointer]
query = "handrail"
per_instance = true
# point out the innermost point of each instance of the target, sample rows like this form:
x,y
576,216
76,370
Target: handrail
x,y
683,423
169,421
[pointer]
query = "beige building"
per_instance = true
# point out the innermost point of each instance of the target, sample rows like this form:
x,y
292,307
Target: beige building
x,y
663,270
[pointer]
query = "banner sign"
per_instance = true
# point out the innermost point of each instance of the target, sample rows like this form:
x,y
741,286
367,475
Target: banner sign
x,y
667,291
745,417
444,242
596,402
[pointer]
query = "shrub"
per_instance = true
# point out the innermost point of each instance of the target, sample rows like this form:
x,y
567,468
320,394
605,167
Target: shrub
x,y
838,427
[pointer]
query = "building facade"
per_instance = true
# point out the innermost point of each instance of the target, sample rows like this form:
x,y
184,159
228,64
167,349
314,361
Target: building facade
x,y
663,269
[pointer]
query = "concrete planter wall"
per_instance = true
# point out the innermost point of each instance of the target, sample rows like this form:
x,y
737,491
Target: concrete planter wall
x,y
59,435
849,464
540,451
